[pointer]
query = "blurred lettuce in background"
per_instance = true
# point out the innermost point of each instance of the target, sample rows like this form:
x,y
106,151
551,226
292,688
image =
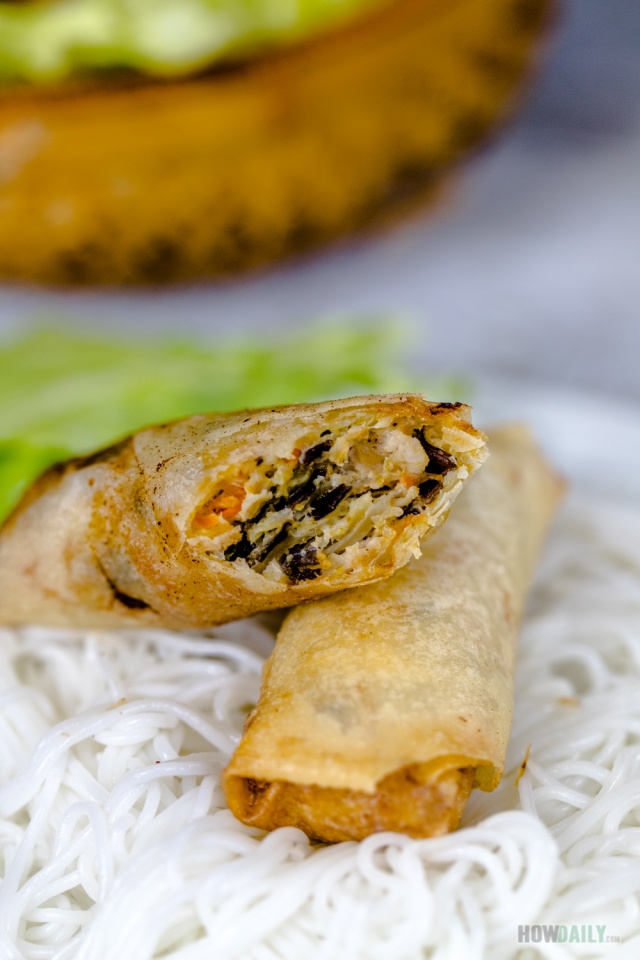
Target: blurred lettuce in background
x,y
64,393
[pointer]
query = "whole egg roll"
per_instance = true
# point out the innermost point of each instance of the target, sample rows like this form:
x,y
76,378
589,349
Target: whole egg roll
x,y
216,517
383,706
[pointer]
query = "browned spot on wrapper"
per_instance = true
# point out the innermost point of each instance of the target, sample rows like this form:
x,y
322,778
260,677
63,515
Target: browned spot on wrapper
x,y
438,407
100,457
507,606
523,766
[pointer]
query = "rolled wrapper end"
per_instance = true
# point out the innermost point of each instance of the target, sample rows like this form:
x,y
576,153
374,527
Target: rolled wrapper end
x,y
416,800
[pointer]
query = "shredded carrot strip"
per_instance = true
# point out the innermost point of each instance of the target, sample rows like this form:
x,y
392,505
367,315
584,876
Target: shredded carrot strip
x,y
226,505
209,520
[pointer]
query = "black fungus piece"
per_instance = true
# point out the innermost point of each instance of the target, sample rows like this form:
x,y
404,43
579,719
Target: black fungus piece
x,y
239,550
325,433
262,552
428,490
269,505
261,512
312,453
307,488
439,461
324,503
410,510
301,493
378,491
301,562
307,573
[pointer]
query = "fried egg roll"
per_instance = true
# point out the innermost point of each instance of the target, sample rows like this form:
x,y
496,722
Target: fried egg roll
x,y
383,706
216,517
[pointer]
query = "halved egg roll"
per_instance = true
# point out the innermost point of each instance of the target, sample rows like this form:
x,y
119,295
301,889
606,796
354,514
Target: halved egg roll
x,y
383,706
219,516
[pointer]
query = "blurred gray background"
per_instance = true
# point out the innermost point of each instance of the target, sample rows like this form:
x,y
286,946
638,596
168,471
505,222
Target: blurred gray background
x,y
529,268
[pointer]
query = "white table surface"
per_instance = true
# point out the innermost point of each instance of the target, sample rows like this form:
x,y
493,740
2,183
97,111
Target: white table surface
x,y
529,268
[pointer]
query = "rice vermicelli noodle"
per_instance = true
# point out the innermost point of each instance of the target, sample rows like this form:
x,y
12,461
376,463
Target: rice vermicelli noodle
x,y
115,839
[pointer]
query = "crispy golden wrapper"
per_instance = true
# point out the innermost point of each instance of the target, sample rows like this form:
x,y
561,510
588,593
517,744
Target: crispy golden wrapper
x,y
382,707
217,517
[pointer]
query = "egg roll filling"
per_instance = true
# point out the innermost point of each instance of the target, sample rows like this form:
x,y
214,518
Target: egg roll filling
x,y
302,516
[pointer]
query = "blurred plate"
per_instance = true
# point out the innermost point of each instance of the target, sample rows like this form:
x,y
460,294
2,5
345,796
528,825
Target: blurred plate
x,y
593,440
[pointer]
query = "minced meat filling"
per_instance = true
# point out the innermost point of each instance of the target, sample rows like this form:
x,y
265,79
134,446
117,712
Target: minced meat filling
x,y
293,519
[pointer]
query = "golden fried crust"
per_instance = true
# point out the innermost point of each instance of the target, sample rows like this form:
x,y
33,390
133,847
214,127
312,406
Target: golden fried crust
x,y
106,540
414,673
147,182
404,801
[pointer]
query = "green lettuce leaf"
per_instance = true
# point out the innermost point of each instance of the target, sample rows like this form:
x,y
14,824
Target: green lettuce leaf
x,y
64,393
